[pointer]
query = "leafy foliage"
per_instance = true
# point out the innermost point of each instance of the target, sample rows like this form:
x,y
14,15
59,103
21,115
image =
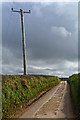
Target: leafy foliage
x,y
74,81
18,90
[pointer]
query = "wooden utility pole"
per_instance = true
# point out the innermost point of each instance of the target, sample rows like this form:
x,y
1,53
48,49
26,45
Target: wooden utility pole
x,y
23,37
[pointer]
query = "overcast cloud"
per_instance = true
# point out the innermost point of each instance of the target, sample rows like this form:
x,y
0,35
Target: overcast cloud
x,y
40,1
51,32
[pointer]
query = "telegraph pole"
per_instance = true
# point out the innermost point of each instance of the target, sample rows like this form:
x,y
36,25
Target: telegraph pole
x,y
23,37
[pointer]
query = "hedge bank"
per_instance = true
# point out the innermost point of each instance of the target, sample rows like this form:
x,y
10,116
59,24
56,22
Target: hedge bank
x,y
17,90
74,81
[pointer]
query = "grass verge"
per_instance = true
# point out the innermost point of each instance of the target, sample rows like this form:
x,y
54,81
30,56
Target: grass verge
x,y
18,90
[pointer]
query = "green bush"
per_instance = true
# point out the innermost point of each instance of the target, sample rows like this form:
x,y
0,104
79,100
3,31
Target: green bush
x,y
18,90
74,81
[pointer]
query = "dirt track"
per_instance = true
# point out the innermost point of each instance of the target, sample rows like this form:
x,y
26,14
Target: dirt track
x,y
55,104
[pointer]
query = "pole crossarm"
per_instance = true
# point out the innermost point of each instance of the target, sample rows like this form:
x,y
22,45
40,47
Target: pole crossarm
x,y
23,36
20,11
27,12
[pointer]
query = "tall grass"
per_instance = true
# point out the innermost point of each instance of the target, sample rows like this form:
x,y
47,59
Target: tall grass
x,y
18,90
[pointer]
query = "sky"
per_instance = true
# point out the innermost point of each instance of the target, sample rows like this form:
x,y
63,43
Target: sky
x,y
39,0
51,32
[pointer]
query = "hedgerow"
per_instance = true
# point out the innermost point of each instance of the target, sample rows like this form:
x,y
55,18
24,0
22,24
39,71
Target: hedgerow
x,y
18,90
74,81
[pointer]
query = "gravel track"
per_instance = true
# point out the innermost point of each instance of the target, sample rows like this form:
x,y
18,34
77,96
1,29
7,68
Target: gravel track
x,y
57,105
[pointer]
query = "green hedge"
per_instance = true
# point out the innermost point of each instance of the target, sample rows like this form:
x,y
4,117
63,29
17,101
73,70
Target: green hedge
x,y
17,90
74,81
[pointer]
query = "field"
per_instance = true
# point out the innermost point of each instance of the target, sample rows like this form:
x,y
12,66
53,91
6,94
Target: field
x,y
17,90
74,81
